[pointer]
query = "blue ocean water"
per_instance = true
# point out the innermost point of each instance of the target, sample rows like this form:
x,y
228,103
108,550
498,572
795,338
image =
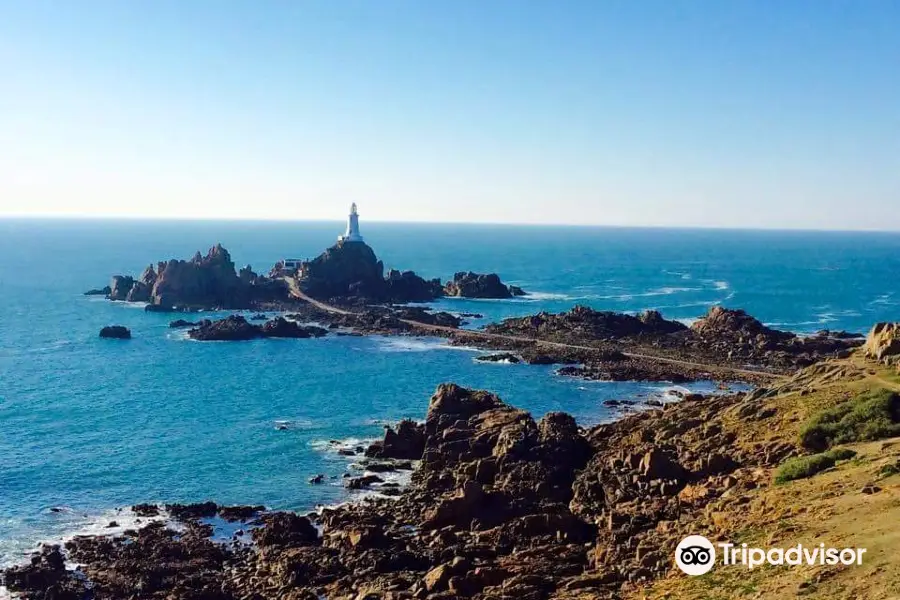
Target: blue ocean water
x,y
92,425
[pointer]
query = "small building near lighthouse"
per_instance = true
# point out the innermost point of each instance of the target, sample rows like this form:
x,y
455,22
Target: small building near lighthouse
x,y
352,233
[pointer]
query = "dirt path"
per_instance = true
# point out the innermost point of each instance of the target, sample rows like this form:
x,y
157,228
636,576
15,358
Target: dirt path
x,y
296,292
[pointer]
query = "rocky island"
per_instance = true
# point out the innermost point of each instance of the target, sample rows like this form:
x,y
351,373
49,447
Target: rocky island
x,y
346,274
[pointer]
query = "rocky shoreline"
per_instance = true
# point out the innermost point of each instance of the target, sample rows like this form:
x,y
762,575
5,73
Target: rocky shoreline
x,y
494,494
499,505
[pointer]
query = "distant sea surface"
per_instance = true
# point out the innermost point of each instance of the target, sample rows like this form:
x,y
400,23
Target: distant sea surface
x,y
90,425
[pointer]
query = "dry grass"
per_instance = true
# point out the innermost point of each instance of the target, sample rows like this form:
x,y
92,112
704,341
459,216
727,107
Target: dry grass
x,y
830,508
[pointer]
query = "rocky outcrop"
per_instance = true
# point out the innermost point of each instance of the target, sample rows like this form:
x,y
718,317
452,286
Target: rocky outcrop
x,y
117,332
120,286
475,285
105,291
406,286
203,283
723,323
499,506
237,328
502,357
883,343
722,337
280,327
586,323
230,329
406,442
352,271
422,315
738,337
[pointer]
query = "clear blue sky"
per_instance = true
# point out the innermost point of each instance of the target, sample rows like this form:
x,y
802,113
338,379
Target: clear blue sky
x,y
708,113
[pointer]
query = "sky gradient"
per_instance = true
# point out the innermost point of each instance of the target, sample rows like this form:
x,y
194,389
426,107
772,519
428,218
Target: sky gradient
x,y
686,113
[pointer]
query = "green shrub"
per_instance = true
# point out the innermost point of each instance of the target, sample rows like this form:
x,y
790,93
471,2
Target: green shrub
x,y
842,453
888,470
801,467
870,416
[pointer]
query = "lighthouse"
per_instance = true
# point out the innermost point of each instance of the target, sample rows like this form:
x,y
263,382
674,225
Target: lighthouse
x,y
352,234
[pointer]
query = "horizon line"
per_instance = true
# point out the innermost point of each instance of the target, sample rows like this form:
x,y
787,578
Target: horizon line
x,y
227,219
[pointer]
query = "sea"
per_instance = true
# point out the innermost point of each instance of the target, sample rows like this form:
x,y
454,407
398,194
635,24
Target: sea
x,y
89,426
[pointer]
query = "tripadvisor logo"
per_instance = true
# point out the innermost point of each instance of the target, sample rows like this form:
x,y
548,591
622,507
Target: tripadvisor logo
x,y
696,555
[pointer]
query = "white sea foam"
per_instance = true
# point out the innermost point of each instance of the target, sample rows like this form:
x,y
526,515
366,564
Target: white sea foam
x,y
411,344
721,285
883,300
332,448
538,296
688,321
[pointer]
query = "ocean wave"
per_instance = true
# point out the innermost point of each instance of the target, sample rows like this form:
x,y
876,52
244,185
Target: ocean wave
x,y
883,300
538,296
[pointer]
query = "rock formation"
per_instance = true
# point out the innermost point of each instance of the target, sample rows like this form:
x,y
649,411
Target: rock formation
x,y
883,343
586,323
475,285
351,270
203,283
237,328
500,506
118,332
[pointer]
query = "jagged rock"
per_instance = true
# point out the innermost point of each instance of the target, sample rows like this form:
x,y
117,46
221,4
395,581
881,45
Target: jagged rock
x,y
197,510
406,286
105,291
583,322
883,343
139,292
351,270
475,285
181,323
231,328
504,357
720,321
118,332
280,327
208,281
406,443
285,529
422,315
120,286
247,276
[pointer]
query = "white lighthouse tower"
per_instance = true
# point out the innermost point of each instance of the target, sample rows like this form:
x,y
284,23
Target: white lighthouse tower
x,y
352,234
